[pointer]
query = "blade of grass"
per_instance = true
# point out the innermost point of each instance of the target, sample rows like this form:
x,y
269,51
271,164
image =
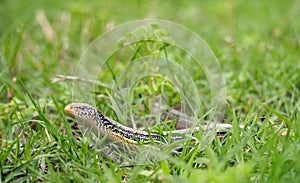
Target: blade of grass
x,y
48,124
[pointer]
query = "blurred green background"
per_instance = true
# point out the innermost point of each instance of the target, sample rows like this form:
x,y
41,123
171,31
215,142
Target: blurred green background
x,y
243,34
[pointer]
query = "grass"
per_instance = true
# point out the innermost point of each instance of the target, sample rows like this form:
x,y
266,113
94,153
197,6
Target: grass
x,y
257,44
